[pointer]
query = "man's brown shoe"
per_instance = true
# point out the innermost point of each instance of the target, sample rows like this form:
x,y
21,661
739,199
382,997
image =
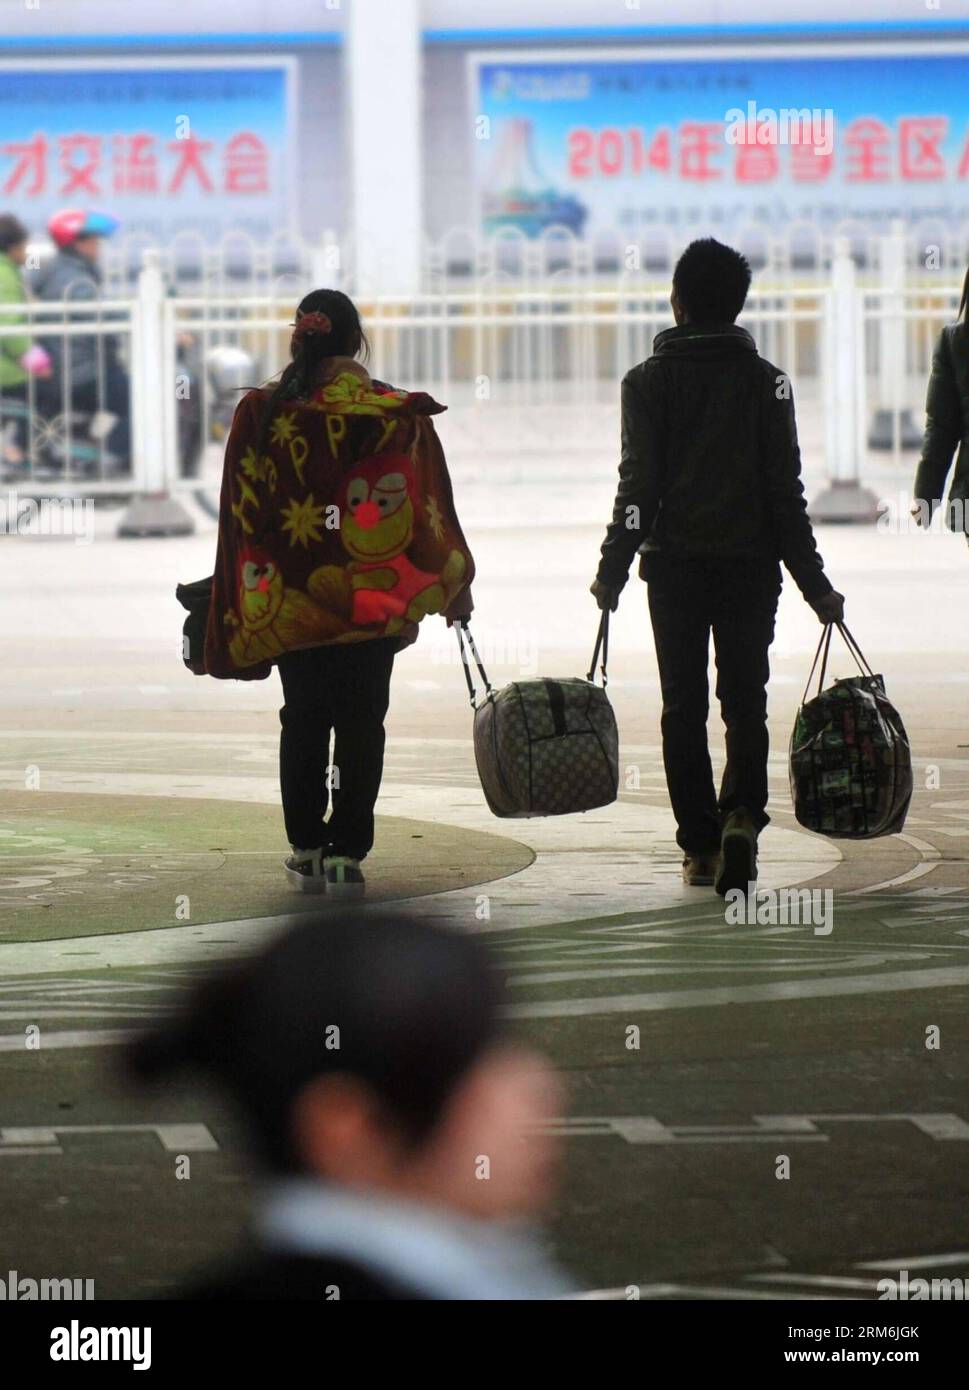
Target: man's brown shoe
x,y
699,870
737,866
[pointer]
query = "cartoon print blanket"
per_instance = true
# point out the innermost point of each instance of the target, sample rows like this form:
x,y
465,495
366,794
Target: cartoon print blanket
x,y
343,530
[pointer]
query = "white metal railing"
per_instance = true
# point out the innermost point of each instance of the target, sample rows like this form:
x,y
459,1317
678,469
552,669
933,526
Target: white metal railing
x,y
499,353
527,368
66,426
797,253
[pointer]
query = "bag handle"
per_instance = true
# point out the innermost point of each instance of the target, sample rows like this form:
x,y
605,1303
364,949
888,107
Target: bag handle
x,y
602,642
462,631
824,648
855,650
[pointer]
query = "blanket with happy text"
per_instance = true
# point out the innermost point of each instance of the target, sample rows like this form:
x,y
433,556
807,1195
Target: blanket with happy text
x,y
341,529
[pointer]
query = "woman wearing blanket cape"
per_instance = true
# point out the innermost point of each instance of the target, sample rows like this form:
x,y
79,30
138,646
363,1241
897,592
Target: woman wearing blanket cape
x,y
337,536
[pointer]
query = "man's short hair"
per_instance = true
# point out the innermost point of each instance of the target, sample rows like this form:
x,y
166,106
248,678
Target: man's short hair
x,y
711,281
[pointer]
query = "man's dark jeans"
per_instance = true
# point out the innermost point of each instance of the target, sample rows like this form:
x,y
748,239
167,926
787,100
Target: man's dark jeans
x,y
737,601
344,690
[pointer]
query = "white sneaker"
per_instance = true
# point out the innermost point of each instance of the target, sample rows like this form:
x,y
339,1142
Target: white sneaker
x,y
343,876
305,871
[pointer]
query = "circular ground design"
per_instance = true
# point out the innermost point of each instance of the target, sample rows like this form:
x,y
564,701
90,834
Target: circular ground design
x,y
81,865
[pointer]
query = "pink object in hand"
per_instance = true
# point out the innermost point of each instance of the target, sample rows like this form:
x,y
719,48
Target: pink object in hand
x,y
36,360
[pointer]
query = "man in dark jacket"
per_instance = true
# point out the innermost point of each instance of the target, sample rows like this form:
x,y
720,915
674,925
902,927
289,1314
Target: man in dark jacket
x,y
710,495
947,426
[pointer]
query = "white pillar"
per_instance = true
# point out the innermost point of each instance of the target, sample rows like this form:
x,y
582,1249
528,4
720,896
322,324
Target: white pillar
x,y
152,511
893,426
150,378
845,366
326,261
383,70
844,499
891,329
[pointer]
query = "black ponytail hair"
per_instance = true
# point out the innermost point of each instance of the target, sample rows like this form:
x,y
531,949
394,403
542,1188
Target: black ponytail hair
x,y
346,338
415,1005
964,306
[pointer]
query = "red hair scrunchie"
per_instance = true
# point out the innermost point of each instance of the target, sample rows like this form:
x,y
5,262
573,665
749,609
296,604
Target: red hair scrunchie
x,y
310,323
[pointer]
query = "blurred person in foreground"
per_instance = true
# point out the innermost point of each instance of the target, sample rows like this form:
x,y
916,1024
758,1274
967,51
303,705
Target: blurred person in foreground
x,y
391,1118
947,427
19,359
88,375
338,535
710,494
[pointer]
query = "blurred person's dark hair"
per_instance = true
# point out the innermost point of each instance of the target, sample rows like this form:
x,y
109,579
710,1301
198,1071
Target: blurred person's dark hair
x,y
345,337
964,303
416,1007
12,231
711,281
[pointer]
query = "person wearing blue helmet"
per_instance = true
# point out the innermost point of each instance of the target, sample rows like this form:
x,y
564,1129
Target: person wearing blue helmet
x,y
88,375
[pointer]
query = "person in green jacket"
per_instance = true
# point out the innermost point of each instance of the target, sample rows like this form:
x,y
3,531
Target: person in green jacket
x,y
17,358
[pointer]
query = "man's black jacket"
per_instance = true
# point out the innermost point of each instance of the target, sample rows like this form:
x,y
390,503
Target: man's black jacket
x,y
947,425
710,463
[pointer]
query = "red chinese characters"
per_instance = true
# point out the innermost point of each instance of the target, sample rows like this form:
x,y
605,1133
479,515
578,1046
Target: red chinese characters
x,y
810,163
79,157
756,161
29,172
189,154
246,162
136,163
701,142
868,147
865,150
919,139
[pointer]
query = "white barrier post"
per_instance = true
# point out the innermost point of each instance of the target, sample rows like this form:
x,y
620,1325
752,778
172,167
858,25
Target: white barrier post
x,y
152,511
844,499
326,262
892,425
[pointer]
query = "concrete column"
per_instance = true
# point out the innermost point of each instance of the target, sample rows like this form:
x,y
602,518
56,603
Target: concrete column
x,y
152,510
893,425
844,499
383,72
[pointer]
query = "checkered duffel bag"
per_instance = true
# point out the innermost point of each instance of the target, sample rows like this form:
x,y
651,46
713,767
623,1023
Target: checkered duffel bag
x,y
544,747
851,764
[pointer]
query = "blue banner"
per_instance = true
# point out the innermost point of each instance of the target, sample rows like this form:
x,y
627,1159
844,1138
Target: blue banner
x,y
632,143
167,146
